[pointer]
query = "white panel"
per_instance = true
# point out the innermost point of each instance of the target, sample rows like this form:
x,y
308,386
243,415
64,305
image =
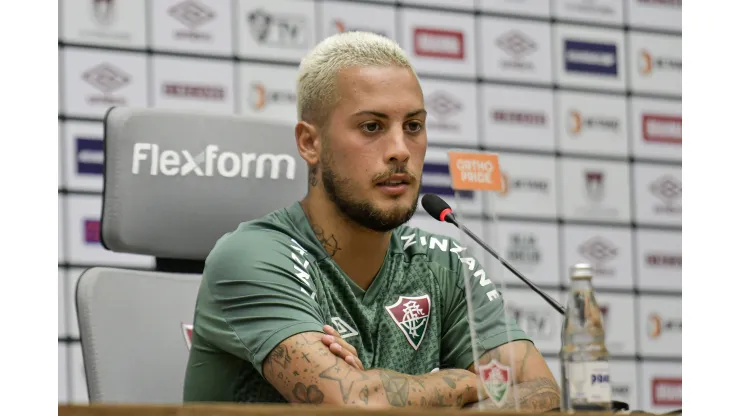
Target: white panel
x,y
655,63
275,29
105,23
530,189
267,92
609,12
656,128
658,259
595,190
439,43
660,326
531,248
97,80
518,118
654,14
193,84
515,50
607,249
536,318
661,387
452,112
192,26
342,16
658,194
591,124
590,58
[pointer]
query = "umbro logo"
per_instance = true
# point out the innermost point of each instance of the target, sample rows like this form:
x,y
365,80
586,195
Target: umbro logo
x,y
344,329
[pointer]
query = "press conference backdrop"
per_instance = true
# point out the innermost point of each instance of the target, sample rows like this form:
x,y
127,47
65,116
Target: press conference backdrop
x,y
581,98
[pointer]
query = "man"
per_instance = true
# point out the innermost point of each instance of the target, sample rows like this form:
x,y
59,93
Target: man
x,y
343,257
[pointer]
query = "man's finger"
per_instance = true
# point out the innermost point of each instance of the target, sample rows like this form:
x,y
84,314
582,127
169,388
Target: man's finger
x,y
338,338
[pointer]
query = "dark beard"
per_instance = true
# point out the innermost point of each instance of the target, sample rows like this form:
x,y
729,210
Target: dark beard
x,y
362,212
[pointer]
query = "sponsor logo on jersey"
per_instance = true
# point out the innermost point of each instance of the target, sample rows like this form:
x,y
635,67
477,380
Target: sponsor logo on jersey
x,y
411,315
281,30
187,334
439,43
658,325
91,231
201,92
211,163
593,58
496,379
343,328
90,156
666,391
662,128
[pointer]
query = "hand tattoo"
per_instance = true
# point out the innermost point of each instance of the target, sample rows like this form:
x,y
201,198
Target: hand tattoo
x,y
309,395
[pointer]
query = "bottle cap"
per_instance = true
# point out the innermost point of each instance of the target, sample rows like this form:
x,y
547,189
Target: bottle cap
x,y
581,271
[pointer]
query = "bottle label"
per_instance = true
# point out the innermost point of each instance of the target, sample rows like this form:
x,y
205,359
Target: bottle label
x,y
589,382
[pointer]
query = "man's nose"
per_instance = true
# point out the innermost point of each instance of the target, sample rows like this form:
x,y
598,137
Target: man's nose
x,y
396,147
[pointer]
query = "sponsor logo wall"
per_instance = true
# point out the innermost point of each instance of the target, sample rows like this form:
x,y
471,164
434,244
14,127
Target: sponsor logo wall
x,y
581,98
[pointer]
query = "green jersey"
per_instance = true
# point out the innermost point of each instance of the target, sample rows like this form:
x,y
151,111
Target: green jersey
x,y
271,279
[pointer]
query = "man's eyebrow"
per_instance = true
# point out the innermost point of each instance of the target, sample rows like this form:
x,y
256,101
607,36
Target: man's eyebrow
x,y
385,116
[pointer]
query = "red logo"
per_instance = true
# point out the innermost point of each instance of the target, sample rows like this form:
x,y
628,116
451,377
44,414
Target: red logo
x,y
92,231
187,333
439,43
661,128
666,391
411,315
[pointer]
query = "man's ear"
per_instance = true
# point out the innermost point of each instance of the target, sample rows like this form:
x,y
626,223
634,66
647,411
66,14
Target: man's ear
x,y
307,140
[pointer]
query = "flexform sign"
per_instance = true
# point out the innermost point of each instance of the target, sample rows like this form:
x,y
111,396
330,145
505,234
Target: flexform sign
x,y
439,43
662,128
666,391
593,58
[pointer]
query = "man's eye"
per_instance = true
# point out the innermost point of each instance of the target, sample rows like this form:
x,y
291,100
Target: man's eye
x,y
371,127
414,126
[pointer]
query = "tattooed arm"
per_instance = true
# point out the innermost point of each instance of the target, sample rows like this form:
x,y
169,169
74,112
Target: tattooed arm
x,y
535,387
303,370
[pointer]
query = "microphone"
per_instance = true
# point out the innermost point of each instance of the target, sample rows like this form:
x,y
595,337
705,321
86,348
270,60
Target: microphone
x,y
441,211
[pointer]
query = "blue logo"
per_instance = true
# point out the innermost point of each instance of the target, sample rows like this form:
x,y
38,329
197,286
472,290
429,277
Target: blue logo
x,y
591,57
89,155
436,180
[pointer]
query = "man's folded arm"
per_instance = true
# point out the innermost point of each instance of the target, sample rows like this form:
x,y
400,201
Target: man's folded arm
x,y
303,370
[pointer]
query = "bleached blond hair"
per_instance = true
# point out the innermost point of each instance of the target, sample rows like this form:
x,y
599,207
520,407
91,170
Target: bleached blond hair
x,y
317,73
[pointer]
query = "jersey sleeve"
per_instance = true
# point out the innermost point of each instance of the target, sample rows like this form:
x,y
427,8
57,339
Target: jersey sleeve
x,y
256,292
490,321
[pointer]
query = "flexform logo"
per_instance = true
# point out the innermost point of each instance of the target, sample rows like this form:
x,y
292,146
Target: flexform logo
x,y
192,14
599,251
443,107
658,325
649,63
439,43
195,91
260,97
666,391
662,128
220,164
518,46
103,11
523,249
578,123
89,156
107,79
669,190
530,118
281,30
592,58
91,231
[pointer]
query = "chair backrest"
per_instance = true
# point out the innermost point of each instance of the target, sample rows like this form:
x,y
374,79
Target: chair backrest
x,y
174,182
133,336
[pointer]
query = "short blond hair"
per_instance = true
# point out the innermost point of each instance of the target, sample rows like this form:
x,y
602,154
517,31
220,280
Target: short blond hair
x,y
317,73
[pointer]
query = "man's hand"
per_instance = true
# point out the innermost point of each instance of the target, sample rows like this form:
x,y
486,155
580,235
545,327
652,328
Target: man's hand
x,y
341,348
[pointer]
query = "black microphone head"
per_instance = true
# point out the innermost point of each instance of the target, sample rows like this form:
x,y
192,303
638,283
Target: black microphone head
x,y
436,207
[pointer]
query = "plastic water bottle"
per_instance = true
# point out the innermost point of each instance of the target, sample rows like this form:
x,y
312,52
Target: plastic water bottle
x,y
584,359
